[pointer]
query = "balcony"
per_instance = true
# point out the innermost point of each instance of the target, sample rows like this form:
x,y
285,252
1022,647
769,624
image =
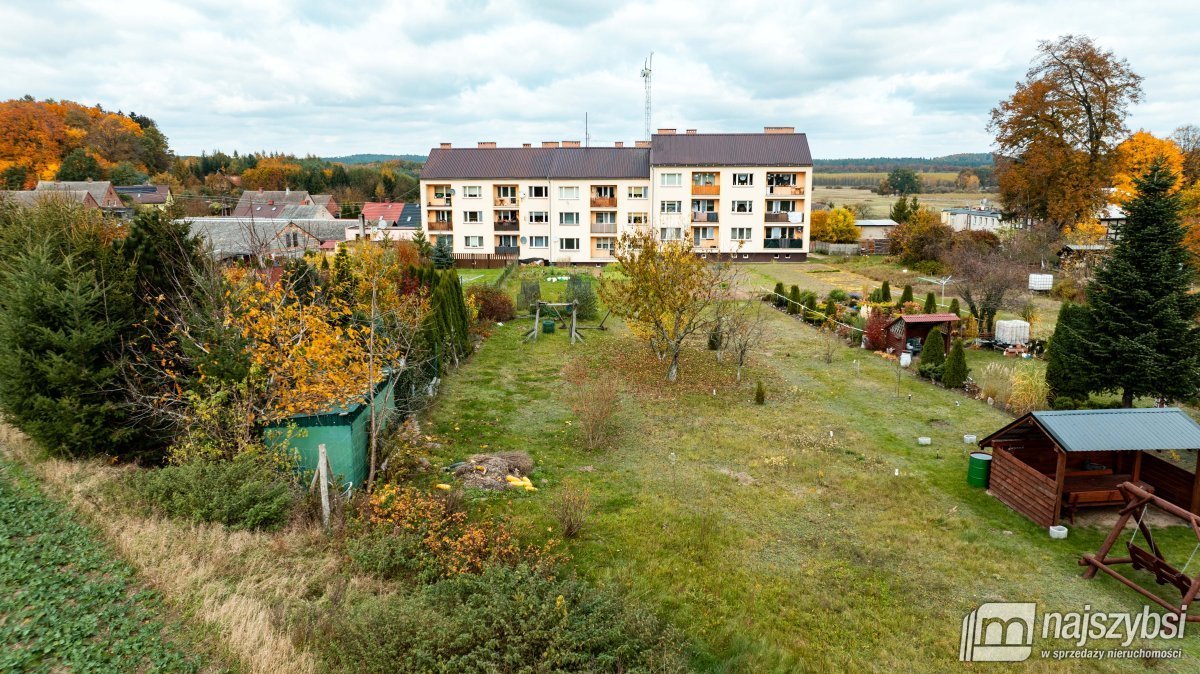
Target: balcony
x,y
507,202
604,202
441,226
776,217
783,243
507,250
604,228
785,190
506,225
706,189
704,216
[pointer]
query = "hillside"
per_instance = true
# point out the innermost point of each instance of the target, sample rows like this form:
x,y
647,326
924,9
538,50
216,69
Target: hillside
x,y
952,162
352,159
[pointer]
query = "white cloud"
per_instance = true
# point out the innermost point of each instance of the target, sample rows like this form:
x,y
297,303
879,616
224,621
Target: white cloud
x,y
862,79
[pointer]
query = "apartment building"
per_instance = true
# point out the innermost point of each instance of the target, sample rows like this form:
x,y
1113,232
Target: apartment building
x,y
743,195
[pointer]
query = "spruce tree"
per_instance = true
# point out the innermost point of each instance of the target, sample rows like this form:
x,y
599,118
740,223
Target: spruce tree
x,y
885,293
931,306
905,297
830,310
933,352
955,371
443,256
422,243
1143,339
1068,369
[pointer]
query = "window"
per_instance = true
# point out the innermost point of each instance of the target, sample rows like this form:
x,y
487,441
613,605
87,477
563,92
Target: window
x,y
606,218
781,179
472,216
473,241
638,218
670,233
441,191
638,192
291,239
539,191
740,233
506,191
780,206
671,207
568,218
743,179
472,191
606,192
706,179
704,205
705,232
672,179
568,244
448,237
539,242
441,216
507,240
568,193
539,216
604,244
743,207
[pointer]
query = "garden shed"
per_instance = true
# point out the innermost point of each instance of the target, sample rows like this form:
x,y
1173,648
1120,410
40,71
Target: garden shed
x,y
902,329
345,431
1047,464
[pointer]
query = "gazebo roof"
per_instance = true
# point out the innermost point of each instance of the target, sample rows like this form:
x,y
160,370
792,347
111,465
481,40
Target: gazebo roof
x,y
926,318
1119,430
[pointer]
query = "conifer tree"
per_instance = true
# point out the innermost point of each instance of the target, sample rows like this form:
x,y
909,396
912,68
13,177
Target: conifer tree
x,y
930,304
955,371
1143,339
1068,369
793,307
779,295
905,297
443,257
954,309
885,292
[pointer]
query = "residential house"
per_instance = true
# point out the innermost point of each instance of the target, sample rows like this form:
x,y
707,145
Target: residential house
x,y
158,196
973,219
743,195
386,221
231,238
875,229
101,190
329,203
31,198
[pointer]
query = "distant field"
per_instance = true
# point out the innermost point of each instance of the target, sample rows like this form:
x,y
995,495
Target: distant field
x,y
881,205
869,178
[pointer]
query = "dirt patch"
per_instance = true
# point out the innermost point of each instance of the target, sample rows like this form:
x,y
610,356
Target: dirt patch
x,y
740,477
490,471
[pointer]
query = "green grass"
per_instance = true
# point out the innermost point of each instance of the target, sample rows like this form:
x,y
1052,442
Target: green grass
x,y
860,552
66,602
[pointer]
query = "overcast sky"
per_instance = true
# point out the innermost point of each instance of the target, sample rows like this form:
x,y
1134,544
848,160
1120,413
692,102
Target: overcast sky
x,y
334,77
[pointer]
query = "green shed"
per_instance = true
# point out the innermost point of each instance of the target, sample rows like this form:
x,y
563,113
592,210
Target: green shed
x,y
345,432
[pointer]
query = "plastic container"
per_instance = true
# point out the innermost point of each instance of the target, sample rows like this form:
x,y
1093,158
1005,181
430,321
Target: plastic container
x,y
968,439
548,327
1041,281
924,440
1058,532
979,468
1012,332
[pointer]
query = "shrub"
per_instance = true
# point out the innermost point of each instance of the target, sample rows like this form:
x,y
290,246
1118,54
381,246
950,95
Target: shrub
x,y
885,292
995,382
715,338
1029,390
793,307
955,373
571,507
930,267
838,295
507,619
760,393
906,296
595,400
931,306
876,331
579,289
933,355
780,296
1067,289
245,493
954,308
494,304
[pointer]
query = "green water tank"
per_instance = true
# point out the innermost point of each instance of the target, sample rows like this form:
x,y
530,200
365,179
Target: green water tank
x,y
979,466
547,327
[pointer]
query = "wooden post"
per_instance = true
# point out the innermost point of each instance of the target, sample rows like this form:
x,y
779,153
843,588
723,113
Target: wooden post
x,y
573,333
1195,502
537,320
323,472
1137,467
1060,476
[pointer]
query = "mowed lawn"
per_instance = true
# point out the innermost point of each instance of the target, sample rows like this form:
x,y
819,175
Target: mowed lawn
x,y
809,534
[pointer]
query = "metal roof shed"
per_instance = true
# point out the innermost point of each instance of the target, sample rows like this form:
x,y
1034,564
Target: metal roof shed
x,y
1051,462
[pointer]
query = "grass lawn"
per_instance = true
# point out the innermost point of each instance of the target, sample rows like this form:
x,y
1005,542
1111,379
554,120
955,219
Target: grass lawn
x,y
881,205
67,603
844,546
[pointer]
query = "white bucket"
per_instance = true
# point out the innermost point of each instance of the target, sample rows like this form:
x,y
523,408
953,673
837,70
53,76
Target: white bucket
x,y
1058,532
924,441
968,439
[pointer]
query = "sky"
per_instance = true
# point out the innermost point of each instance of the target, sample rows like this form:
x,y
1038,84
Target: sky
x,y
862,79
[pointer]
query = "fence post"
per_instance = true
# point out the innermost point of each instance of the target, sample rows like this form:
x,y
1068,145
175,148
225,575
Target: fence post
x,y
323,472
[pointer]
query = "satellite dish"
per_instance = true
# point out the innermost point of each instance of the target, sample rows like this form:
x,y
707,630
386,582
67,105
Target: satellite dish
x,y
522,240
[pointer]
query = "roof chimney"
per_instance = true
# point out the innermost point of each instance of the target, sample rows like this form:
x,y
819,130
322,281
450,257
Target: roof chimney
x,y
549,143
641,143
445,146
779,129
526,144
487,145
691,132
667,132
619,144
570,143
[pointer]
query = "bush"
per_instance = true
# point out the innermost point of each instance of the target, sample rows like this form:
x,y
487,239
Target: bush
x,y
594,400
885,292
955,373
571,507
838,295
760,393
905,297
876,330
715,338
1067,289
780,296
1028,390
531,292
507,619
579,289
933,355
793,307
929,268
245,493
494,304
954,308
931,305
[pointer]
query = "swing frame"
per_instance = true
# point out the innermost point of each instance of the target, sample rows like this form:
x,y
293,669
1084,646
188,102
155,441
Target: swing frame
x,y
1137,500
532,335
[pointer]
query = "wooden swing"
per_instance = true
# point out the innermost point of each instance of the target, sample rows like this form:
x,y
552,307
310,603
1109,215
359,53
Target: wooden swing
x,y
1151,560
559,317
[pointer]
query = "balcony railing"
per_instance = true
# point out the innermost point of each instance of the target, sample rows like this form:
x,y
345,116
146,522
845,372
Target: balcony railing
x,y
775,217
785,190
704,216
507,250
604,202
706,189
444,202
441,226
783,243
507,225
604,228
507,201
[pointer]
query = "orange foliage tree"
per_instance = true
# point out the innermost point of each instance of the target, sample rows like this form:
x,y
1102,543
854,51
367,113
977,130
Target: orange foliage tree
x,y
1133,158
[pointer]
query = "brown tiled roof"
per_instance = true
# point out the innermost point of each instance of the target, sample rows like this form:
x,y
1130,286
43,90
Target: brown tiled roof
x,y
536,162
730,149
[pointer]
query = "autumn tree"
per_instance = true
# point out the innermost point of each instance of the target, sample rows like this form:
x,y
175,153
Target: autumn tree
x,y
818,226
841,227
79,164
664,292
1187,137
922,237
1134,157
986,277
1056,133
742,331
903,209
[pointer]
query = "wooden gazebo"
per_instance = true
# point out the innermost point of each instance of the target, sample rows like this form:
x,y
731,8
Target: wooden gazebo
x,y
918,326
1046,464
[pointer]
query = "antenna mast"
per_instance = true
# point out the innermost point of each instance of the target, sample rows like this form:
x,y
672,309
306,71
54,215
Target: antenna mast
x,y
646,77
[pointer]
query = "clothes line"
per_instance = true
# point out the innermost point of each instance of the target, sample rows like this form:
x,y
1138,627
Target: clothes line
x,y
819,313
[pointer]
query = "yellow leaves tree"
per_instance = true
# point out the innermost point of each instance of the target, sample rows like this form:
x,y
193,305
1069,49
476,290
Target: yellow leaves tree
x,y
1133,158
841,227
271,173
1085,232
664,292
819,226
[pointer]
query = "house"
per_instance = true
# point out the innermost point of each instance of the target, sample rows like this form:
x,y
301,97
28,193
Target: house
x,y
158,196
875,229
740,195
31,198
329,203
1051,463
101,190
913,329
386,222
974,219
285,204
231,238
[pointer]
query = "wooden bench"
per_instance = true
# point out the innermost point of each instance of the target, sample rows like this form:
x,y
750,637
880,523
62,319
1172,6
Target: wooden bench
x,y
1099,489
